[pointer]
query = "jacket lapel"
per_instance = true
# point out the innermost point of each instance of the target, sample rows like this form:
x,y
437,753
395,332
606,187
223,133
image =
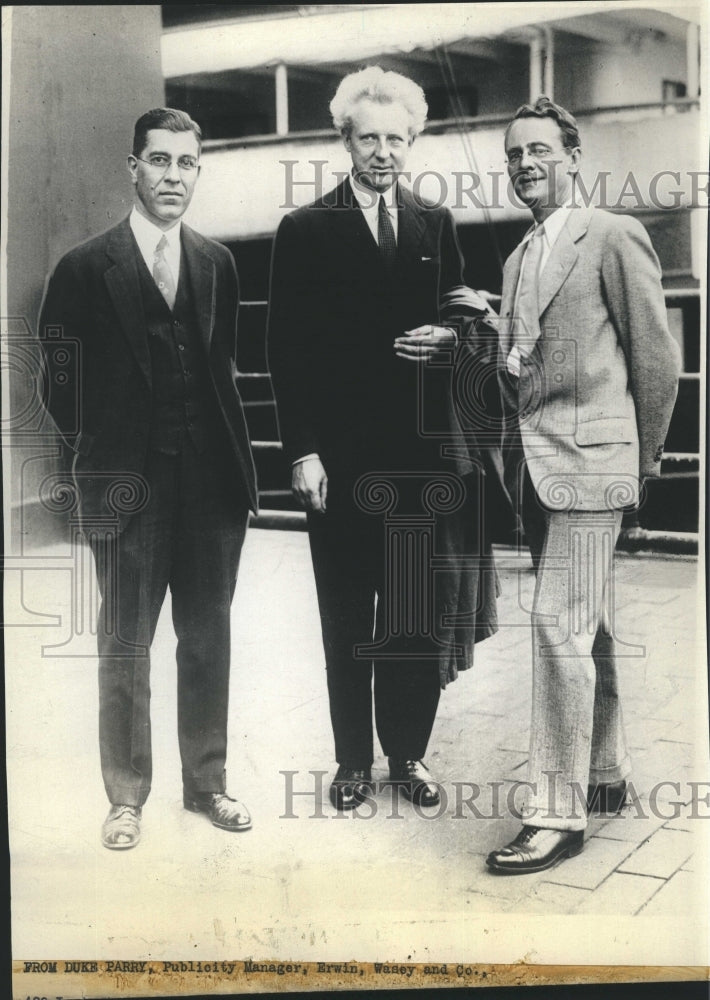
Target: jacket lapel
x,y
354,230
410,225
203,278
563,257
123,286
349,232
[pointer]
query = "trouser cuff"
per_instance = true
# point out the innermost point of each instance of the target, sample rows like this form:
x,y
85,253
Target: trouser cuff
x,y
127,795
205,782
609,775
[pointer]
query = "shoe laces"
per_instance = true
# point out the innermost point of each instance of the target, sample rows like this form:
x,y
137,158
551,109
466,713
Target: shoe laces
x,y
130,810
526,834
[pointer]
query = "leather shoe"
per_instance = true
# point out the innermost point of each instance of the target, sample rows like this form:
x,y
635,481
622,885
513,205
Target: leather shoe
x,y
606,799
350,787
415,781
534,850
121,829
224,812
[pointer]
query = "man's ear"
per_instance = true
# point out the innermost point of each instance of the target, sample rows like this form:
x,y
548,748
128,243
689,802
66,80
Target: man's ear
x,y
132,164
347,141
575,157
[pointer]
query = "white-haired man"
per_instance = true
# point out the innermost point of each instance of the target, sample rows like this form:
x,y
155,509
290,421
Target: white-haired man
x,y
355,320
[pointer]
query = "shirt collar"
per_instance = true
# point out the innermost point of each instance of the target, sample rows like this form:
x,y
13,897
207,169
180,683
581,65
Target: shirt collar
x,y
368,199
148,235
556,223
552,226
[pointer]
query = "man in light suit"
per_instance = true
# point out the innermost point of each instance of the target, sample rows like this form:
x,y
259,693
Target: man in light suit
x,y
161,462
589,373
355,322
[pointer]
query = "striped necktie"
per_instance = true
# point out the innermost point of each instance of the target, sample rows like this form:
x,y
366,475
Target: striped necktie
x,y
162,274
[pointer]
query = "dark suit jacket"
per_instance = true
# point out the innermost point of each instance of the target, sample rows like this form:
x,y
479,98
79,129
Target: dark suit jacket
x,y
334,312
101,398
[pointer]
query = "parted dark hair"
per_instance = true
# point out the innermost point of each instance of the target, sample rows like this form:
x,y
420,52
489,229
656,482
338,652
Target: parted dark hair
x,y
545,108
168,118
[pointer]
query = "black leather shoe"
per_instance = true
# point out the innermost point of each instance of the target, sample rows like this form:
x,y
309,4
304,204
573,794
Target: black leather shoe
x,y
122,828
606,800
534,850
224,812
415,781
350,787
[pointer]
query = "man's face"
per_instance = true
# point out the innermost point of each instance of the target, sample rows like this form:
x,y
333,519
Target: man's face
x,y
165,175
540,167
379,143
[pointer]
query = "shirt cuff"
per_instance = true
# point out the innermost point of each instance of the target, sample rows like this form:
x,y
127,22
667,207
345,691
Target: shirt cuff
x,y
313,454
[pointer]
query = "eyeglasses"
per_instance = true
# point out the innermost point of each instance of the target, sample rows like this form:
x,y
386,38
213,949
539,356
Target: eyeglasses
x,y
537,151
186,164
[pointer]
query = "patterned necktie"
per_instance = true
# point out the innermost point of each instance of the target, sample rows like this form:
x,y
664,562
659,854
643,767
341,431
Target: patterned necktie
x,y
162,274
385,233
527,325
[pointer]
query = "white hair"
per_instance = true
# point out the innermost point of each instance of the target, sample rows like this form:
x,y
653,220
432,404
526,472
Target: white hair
x,y
374,84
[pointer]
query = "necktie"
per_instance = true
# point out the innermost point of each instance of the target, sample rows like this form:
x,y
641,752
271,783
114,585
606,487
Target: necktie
x,y
527,320
162,274
385,233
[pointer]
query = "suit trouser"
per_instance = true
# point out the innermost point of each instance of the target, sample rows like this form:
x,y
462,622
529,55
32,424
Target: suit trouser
x,y
189,538
577,732
348,550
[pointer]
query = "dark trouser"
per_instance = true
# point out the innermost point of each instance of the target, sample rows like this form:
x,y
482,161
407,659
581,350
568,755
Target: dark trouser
x,y
188,537
348,550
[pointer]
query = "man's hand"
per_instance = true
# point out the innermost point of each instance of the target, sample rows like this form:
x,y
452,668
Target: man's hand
x,y
309,484
424,342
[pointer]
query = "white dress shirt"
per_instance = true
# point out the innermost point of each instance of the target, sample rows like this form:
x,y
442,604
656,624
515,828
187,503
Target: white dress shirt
x,y
369,201
148,235
550,229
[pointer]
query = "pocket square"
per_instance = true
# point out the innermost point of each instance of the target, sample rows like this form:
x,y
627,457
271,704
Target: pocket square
x,y
427,258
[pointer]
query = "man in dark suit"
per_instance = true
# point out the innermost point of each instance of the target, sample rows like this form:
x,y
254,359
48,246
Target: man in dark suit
x,y
589,373
362,366
161,462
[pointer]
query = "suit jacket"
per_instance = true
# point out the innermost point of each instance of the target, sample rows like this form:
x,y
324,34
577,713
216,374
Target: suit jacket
x,y
596,392
334,311
101,398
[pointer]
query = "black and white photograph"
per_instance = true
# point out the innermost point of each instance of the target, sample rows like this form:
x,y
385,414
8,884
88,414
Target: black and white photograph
x,y
354,495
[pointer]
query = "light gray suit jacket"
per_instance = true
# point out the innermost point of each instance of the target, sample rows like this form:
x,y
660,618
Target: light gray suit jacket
x,y
597,388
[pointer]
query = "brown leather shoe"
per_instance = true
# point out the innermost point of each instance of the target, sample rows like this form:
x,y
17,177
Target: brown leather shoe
x,y
121,829
415,781
224,812
350,787
606,799
534,850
